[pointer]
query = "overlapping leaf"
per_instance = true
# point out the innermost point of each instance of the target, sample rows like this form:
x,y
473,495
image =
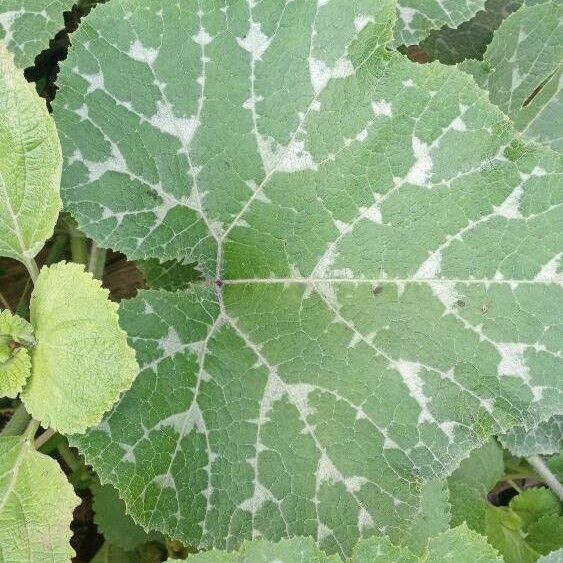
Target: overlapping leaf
x,y
523,67
81,362
381,255
459,544
36,504
470,484
26,26
451,45
417,18
117,527
15,363
30,165
544,439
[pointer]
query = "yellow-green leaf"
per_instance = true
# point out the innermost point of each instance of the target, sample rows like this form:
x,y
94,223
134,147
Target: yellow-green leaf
x,y
36,505
30,165
15,363
81,362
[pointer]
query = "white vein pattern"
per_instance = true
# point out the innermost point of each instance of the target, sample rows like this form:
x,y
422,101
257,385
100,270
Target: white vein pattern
x,y
373,305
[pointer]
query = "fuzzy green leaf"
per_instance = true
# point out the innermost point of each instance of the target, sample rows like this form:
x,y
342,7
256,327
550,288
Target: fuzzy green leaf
x,y
417,18
114,523
81,362
380,257
36,505
26,26
544,439
30,165
15,363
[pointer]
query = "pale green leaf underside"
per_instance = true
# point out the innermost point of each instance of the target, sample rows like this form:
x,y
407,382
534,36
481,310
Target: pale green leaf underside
x,y
36,505
15,364
81,362
30,165
553,557
544,439
387,257
417,18
459,544
26,26
525,59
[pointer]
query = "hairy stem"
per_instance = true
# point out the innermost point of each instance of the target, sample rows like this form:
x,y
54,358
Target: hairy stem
x,y
545,473
97,261
18,423
32,268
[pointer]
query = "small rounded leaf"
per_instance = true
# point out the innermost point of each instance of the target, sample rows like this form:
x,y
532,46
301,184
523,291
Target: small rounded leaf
x,y
36,505
82,361
15,364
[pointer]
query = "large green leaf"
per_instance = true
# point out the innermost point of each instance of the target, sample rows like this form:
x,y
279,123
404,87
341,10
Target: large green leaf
x,y
380,254
525,64
81,362
544,439
417,18
36,504
26,26
30,165
459,544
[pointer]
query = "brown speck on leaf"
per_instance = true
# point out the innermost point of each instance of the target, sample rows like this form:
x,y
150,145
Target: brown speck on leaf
x,y
377,289
484,309
219,283
460,303
13,345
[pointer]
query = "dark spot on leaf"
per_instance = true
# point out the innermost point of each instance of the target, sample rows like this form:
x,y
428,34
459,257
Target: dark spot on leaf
x,y
538,89
219,283
13,345
377,289
460,303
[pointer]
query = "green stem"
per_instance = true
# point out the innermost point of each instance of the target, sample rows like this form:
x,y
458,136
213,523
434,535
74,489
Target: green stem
x,y
97,261
18,423
78,245
545,473
58,248
4,302
68,456
44,438
31,430
514,485
32,268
